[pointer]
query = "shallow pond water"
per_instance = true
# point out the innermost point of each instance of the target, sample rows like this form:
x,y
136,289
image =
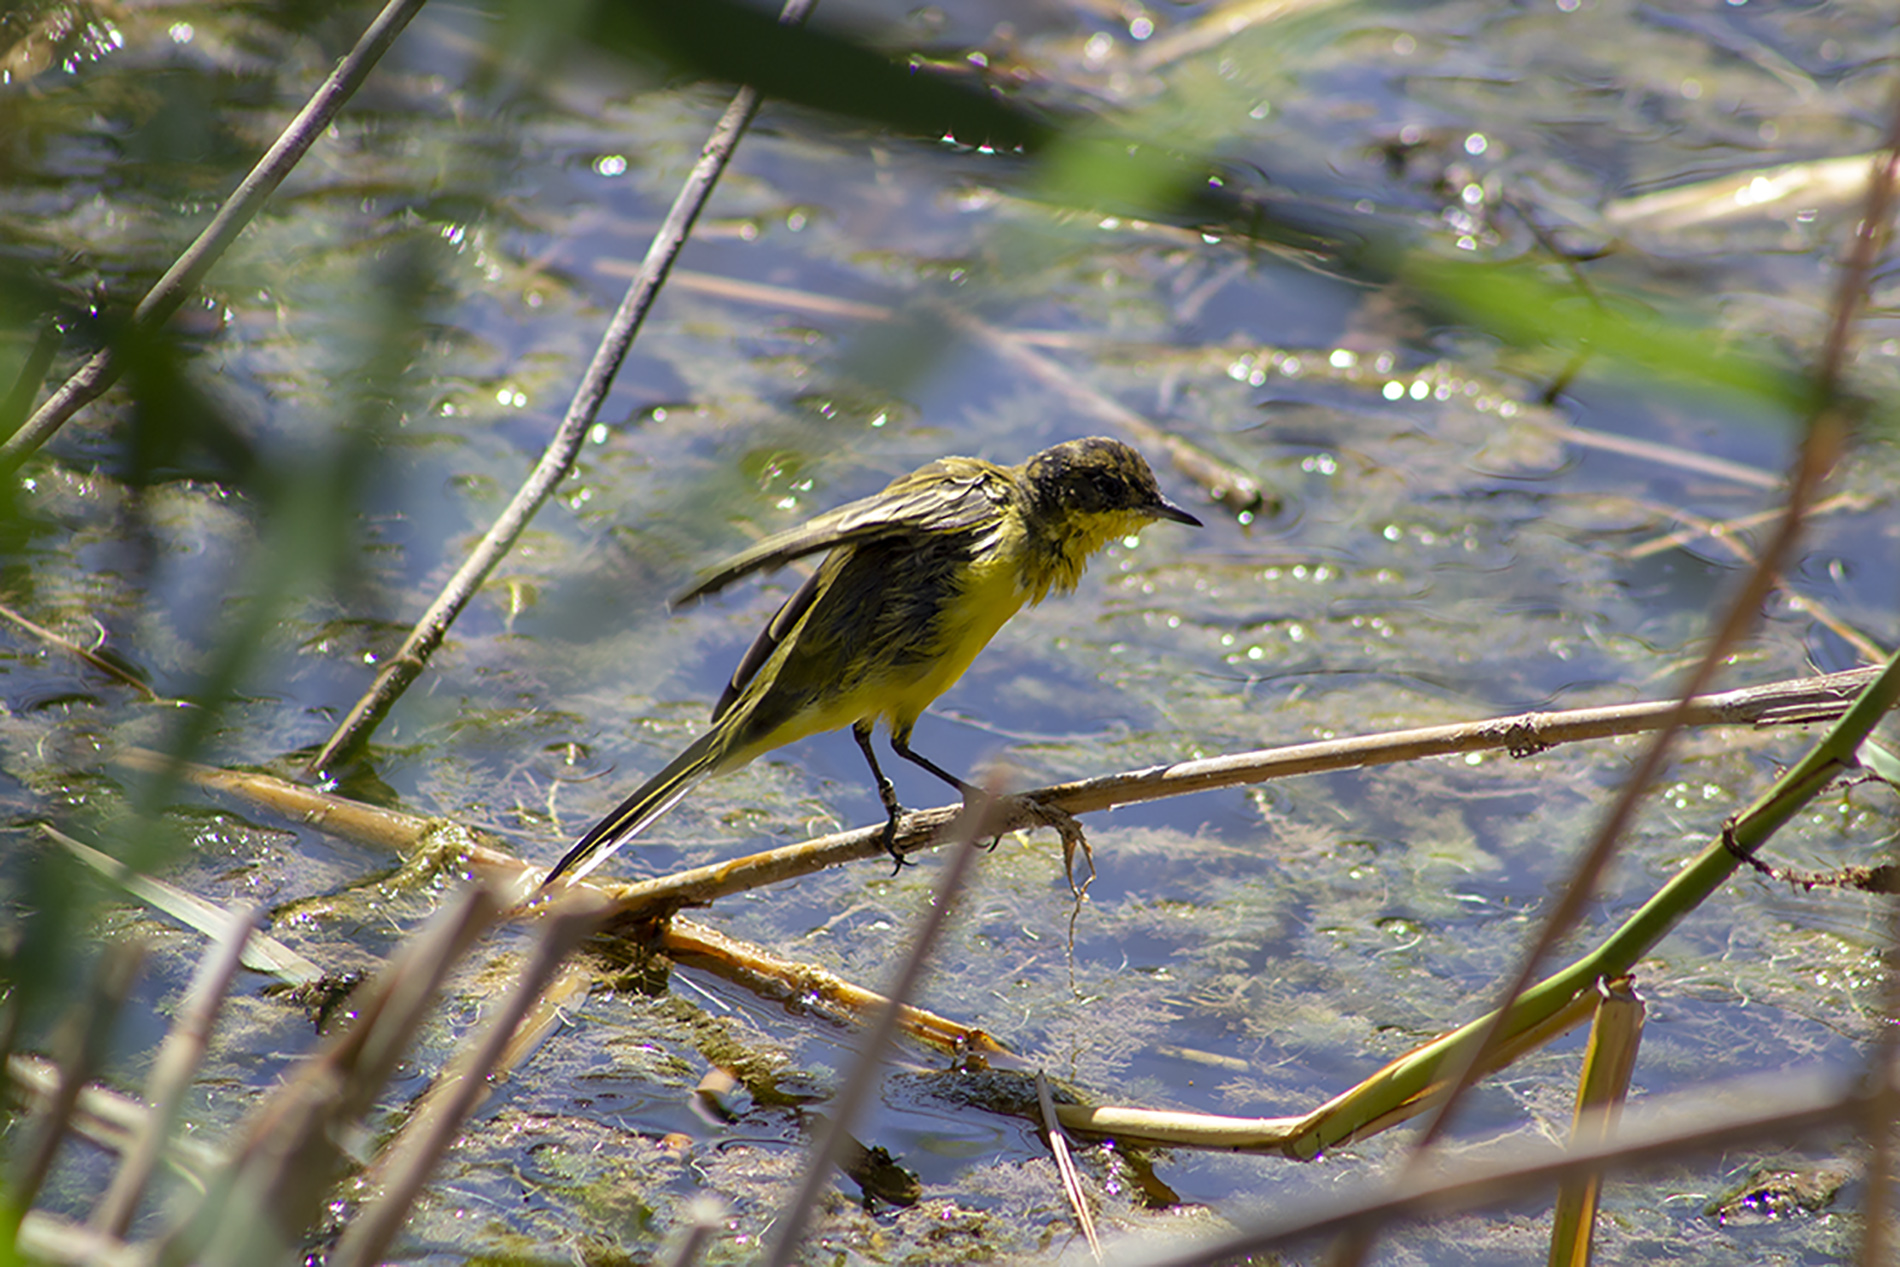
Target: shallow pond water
x,y
1438,543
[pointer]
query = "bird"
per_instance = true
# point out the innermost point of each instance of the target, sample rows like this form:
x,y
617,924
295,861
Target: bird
x,y
916,581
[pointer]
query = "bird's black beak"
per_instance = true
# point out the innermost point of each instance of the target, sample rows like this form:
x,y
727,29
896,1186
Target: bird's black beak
x,y
1165,509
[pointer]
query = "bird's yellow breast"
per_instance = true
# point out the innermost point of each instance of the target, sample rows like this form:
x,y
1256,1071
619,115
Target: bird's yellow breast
x,y
889,633
993,592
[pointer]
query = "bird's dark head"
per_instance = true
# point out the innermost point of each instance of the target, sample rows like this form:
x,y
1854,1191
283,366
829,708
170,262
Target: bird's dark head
x,y
1099,477
1083,495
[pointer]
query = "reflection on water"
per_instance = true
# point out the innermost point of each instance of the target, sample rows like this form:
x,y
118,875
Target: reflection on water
x,y
1441,544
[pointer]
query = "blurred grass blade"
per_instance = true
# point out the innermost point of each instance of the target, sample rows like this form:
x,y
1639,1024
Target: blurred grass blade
x,y
1514,302
178,1059
78,1048
290,1149
406,1164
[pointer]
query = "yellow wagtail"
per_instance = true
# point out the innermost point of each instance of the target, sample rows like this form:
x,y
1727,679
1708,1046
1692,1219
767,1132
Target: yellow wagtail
x,y
918,579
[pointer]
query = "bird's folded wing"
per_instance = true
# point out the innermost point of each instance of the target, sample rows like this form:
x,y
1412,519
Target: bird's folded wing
x,y
938,498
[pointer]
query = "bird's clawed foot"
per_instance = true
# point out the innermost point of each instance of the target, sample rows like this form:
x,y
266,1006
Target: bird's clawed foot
x,y
1069,827
1015,808
889,839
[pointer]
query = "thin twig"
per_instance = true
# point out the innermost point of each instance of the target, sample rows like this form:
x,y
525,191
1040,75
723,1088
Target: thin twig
x,y
789,1232
73,649
558,458
1065,1166
103,368
1668,454
1727,536
1695,526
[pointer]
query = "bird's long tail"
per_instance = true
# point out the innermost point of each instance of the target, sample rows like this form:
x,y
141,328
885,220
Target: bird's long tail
x,y
656,796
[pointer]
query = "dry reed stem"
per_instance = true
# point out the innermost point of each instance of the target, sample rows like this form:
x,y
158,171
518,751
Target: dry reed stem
x,y
334,815
1795,701
746,962
764,973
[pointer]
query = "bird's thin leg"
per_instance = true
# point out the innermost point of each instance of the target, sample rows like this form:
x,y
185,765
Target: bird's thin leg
x,y
1050,816
886,792
900,744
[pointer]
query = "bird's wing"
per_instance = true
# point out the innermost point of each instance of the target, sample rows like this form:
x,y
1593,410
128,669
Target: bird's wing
x,y
765,644
946,496
949,496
